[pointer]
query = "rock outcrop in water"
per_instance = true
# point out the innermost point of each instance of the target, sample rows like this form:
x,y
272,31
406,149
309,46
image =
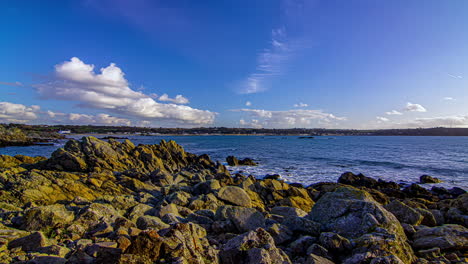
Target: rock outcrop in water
x,y
110,202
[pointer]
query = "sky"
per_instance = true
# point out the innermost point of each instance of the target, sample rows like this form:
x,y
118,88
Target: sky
x,y
245,63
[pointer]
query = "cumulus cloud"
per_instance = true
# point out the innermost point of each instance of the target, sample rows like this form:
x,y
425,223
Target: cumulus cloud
x,y
254,123
301,105
287,119
382,119
99,119
248,103
109,90
393,112
414,108
17,113
179,99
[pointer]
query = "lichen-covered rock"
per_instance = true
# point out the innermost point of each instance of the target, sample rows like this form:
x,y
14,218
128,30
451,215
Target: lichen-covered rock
x,y
45,218
256,246
235,195
353,213
31,242
244,219
428,179
404,213
453,237
287,211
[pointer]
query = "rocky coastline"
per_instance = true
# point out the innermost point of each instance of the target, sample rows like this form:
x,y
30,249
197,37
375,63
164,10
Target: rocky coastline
x,y
97,201
12,136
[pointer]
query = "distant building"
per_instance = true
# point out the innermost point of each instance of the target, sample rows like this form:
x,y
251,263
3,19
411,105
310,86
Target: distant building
x,y
64,132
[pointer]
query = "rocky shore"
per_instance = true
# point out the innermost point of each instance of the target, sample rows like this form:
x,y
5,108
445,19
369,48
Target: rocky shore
x,y
12,136
100,201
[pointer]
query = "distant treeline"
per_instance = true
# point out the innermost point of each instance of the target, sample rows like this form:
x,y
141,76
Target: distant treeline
x,y
45,129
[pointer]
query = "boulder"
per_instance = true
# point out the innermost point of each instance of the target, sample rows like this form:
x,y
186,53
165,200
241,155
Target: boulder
x,y
47,260
353,213
147,245
30,243
287,211
256,246
245,219
357,180
233,161
235,195
47,217
404,213
314,259
153,222
428,179
187,241
446,237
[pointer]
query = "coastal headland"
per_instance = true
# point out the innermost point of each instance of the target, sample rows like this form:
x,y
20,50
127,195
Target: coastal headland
x,y
96,201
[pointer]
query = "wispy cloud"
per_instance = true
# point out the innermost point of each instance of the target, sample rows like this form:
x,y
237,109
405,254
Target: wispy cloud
x,y
271,62
11,84
382,119
455,76
393,112
301,105
449,99
248,103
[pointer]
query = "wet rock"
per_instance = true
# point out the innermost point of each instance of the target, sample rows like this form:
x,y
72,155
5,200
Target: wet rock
x,y
235,195
256,246
30,243
446,237
233,161
428,179
357,180
417,191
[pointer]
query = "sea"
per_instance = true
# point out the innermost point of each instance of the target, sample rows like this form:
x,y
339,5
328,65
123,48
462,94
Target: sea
x,y
402,159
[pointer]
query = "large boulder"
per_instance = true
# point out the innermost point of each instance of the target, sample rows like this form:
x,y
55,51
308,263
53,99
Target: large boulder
x,y
354,214
244,219
404,213
29,243
47,217
451,237
256,246
235,195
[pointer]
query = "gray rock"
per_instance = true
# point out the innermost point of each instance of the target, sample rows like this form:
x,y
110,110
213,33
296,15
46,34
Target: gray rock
x,y
280,233
404,213
302,225
146,221
353,213
206,187
235,195
139,210
287,211
54,250
244,219
334,242
252,248
314,259
30,243
446,237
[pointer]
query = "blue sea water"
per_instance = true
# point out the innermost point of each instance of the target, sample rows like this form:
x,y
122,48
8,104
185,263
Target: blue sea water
x,y
396,158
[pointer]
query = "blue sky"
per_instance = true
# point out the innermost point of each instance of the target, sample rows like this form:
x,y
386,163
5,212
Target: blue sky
x,y
265,63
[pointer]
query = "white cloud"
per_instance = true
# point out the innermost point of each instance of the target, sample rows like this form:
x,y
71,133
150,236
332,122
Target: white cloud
x,y
109,90
17,113
382,119
449,99
248,103
393,112
287,119
99,119
179,99
455,76
443,121
301,105
414,108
